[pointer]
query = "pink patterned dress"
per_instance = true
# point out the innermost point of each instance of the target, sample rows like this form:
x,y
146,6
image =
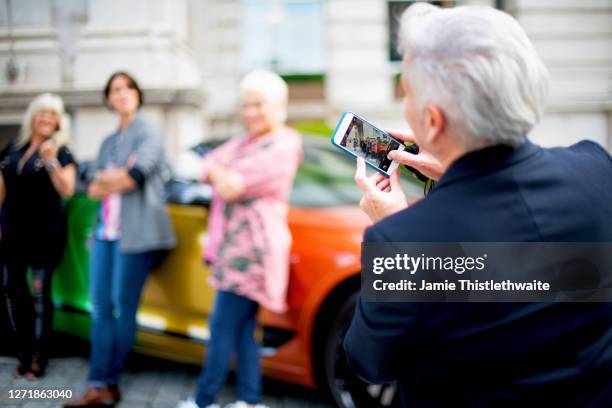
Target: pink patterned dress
x,y
249,240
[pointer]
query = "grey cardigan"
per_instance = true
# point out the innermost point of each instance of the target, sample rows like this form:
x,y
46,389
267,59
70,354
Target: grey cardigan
x,y
145,224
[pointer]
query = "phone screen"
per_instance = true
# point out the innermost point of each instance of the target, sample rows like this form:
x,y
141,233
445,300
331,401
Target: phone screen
x,y
368,142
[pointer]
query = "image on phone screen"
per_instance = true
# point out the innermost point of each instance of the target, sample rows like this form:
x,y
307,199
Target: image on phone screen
x,y
370,143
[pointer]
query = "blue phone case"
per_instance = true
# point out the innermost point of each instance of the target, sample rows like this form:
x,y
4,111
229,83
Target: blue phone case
x,y
345,150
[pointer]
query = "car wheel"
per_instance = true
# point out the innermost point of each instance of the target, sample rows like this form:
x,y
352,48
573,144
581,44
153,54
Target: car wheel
x,y
348,390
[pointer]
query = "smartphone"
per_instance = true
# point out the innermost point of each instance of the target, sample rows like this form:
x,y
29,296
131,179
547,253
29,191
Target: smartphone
x,y
359,138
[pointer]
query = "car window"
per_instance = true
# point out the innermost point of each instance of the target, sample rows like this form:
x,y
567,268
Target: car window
x,y
325,178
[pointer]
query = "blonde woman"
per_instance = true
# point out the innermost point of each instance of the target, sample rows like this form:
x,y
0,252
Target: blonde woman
x,y
38,172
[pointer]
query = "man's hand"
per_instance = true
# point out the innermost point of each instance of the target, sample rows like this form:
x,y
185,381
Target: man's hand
x,y
382,196
424,162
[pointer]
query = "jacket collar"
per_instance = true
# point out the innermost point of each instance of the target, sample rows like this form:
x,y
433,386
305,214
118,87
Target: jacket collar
x,y
135,123
487,160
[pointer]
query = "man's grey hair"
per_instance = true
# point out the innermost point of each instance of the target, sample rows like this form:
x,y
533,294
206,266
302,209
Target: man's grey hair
x,y
477,64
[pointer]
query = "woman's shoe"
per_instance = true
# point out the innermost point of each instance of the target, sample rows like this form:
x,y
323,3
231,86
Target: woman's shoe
x,y
22,369
93,396
242,404
37,366
190,403
115,392
24,365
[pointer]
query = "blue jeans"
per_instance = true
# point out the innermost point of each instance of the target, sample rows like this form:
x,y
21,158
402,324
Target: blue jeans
x,y
232,325
115,284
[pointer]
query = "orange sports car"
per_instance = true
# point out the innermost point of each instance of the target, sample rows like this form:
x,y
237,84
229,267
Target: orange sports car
x,y
301,346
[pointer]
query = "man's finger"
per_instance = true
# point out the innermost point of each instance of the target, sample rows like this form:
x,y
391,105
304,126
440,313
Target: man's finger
x,y
383,180
361,178
405,135
394,180
384,187
410,159
383,183
377,178
363,204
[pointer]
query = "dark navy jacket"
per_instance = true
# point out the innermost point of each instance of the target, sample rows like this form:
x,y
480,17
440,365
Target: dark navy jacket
x,y
497,354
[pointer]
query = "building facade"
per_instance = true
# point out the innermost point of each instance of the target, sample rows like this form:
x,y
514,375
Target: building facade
x,y
574,38
71,47
188,56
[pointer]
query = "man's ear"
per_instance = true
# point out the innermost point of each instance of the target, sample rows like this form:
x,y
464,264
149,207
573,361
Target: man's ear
x,y
435,123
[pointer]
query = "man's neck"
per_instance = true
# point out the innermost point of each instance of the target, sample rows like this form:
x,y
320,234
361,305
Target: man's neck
x,y
452,153
451,156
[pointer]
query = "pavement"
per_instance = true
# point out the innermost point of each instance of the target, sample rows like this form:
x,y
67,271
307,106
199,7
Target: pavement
x,y
147,382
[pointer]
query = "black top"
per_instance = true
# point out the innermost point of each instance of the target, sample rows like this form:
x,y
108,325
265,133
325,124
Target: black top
x,y
497,354
34,217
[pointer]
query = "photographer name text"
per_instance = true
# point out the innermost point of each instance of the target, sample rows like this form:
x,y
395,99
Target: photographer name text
x,y
462,285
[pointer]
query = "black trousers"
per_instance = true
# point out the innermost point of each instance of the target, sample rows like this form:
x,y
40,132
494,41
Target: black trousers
x,y
30,314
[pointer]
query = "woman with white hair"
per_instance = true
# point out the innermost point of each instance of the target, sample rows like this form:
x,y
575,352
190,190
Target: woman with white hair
x,y
249,244
36,175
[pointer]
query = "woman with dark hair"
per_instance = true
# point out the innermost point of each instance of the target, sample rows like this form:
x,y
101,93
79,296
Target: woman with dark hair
x,y
35,175
132,231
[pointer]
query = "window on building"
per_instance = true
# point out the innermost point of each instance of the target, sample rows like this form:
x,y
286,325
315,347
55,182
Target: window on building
x,y
26,13
8,135
283,35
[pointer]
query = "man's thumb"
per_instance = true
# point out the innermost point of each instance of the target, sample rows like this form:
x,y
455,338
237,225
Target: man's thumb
x,y
394,180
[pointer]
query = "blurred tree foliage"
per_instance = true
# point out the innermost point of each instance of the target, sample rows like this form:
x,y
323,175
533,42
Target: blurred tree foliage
x,y
313,127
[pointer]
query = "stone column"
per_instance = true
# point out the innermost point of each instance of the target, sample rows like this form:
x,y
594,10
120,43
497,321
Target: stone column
x,y
574,37
358,75
150,39
217,47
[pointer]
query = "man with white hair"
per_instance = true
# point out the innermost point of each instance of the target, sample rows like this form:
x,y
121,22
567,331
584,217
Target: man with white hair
x,y
474,87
